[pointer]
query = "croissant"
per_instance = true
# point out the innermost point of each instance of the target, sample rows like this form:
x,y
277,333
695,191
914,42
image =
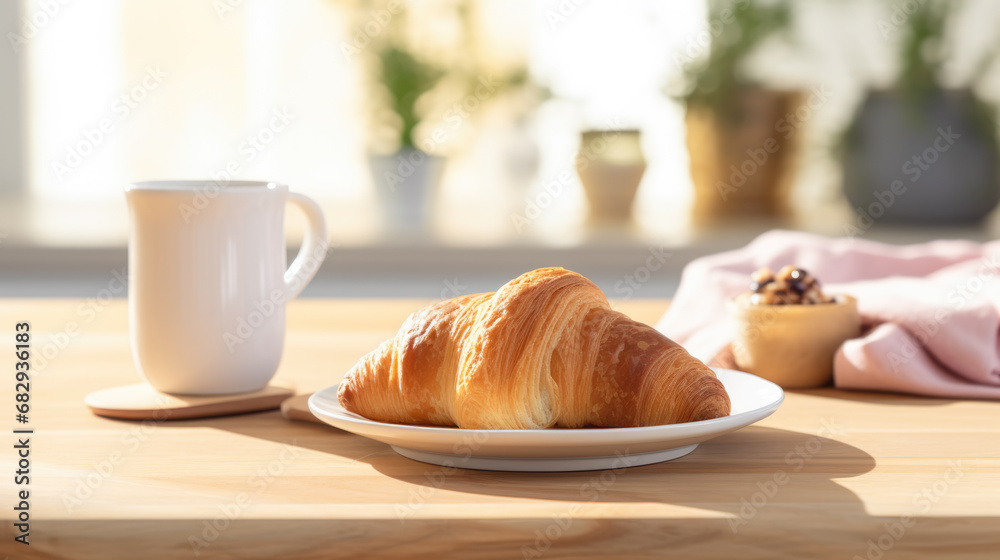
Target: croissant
x,y
545,350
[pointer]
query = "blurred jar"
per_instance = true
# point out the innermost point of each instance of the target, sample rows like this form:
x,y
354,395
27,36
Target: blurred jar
x,y
610,164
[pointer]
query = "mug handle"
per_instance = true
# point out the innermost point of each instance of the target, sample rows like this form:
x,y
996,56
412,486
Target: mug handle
x,y
313,250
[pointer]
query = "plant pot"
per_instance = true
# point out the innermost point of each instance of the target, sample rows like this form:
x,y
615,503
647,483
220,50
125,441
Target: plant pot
x,y
930,163
610,164
405,184
743,155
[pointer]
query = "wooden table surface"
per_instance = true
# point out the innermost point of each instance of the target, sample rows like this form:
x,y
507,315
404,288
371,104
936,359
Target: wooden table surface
x,y
830,474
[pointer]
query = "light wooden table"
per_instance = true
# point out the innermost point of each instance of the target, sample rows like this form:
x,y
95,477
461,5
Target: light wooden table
x,y
831,474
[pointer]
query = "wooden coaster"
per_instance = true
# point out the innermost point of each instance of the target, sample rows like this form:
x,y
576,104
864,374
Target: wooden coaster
x,y
141,401
297,408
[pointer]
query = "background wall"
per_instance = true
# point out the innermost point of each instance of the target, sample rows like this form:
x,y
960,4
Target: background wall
x,y
106,92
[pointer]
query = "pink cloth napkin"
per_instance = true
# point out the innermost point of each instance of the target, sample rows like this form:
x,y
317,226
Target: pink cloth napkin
x,y
931,311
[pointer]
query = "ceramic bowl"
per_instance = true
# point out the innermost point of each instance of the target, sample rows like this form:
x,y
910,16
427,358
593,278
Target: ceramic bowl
x,y
793,345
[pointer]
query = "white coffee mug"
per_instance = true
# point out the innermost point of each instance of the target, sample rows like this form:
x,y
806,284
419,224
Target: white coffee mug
x,y
207,281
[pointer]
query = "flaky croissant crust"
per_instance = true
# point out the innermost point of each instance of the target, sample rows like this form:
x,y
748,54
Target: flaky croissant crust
x,y
545,350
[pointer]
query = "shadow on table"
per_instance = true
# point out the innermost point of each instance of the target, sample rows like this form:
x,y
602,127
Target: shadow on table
x,y
271,426
756,493
738,465
780,464
755,463
759,492
877,397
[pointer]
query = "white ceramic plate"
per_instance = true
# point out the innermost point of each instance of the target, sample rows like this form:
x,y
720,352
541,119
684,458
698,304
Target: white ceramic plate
x,y
553,450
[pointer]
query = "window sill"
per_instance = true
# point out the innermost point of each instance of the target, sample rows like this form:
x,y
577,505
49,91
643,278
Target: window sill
x,y
76,251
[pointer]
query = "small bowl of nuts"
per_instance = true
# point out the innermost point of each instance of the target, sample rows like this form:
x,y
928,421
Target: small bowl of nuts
x,y
788,330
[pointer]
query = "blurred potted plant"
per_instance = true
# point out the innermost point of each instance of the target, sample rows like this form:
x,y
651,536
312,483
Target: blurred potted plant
x,y
741,147
923,153
406,178
415,80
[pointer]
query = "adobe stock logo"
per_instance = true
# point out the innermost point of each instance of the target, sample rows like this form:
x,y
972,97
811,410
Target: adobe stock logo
x,y
564,10
901,12
33,24
378,22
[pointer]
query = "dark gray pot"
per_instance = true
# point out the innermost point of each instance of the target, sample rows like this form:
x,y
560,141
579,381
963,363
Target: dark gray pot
x,y
954,185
